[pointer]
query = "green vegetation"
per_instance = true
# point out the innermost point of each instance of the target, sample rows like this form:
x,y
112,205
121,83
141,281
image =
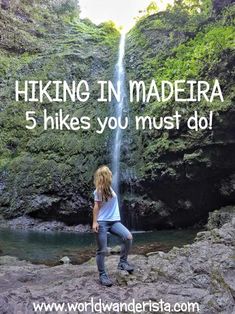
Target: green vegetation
x,y
50,44
152,8
190,57
188,41
50,172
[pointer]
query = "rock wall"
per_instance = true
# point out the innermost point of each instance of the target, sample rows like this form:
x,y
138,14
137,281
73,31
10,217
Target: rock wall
x,y
178,176
49,174
169,178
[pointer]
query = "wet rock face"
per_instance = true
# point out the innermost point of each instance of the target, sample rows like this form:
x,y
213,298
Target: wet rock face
x,y
186,185
181,175
71,211
49,175
202,272
187,178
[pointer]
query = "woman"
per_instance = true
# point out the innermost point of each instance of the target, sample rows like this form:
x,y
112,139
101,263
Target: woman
x,y
106,217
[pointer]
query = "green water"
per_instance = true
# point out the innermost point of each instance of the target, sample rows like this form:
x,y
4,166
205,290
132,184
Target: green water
x,y
50,247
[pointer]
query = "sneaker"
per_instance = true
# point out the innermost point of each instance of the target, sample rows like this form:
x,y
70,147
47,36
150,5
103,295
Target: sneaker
x,y
105,280
125,266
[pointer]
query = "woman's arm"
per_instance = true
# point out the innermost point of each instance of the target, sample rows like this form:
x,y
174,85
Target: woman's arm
x,y
95,225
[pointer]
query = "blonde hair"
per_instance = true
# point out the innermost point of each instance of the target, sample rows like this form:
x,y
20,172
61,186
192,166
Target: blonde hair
x,y
103,181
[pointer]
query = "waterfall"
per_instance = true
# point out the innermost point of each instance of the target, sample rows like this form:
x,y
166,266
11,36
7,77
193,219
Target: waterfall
x,y
119,108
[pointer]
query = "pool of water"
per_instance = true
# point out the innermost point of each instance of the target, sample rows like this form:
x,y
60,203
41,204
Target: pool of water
x,y
49,247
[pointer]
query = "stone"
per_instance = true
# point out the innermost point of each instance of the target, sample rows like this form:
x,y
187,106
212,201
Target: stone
x,y
201,272
116,249
28,223
11,260
151,253
65,260
218,218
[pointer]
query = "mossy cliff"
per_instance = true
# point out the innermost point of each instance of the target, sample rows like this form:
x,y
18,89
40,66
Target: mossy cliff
x,y
169,178
49,173
180,175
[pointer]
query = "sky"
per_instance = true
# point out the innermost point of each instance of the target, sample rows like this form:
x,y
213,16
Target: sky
x,y
121,12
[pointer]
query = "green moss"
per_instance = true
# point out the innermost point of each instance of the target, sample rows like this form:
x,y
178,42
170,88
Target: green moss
x,y
50,45
190,58
105,34
179,44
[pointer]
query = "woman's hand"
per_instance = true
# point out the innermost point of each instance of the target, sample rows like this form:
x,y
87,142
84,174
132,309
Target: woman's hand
x,y
95,226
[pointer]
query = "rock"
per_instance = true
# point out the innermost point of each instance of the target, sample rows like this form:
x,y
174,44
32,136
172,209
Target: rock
x,y
201,281
218,218
50,176
11,261
202,272
65,260
179,176
123,278
203,235
151,253
108,251
159,253
229,281
28,223
116,249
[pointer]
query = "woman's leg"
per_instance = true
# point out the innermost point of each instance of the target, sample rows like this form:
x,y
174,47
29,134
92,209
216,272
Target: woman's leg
x,y
120,230
101,239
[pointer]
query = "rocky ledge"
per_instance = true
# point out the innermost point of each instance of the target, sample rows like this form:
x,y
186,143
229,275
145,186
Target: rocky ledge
x,y
203,272
29,223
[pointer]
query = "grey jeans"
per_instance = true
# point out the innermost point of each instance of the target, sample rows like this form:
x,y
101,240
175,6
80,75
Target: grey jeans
x,y
116,228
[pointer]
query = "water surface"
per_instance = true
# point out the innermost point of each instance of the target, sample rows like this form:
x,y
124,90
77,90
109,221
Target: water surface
x,y
49,247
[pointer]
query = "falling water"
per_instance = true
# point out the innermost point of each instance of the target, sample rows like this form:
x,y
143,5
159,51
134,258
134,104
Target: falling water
x,y
119,76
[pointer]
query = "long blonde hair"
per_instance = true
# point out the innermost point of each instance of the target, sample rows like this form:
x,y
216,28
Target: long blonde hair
x,y
103,181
